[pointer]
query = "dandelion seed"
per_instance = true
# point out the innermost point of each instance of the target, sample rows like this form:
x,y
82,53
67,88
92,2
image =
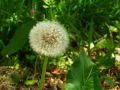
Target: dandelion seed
x,y
49,38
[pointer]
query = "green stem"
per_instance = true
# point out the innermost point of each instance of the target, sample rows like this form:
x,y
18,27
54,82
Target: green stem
x,y
43,73
2,43
35,68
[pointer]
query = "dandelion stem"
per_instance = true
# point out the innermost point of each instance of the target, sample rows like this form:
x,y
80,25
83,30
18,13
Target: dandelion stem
x,y
35,70
43,73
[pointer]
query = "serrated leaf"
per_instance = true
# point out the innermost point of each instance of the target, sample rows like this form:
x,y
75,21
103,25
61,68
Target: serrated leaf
x,y
19,39
30,82
80,74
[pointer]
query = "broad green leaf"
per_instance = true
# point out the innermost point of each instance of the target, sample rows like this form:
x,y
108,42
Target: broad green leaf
x,y
19,39
30,82
80,74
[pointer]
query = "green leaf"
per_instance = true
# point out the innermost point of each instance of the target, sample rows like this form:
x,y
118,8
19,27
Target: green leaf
x,y
106,62
90,34
15,78
26,72
112,28
104,44
69,86
19,39
30,82
80,74
109,81
96,81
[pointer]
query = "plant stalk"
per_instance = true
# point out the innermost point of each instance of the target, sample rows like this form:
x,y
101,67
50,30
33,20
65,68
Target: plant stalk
x,y
43,73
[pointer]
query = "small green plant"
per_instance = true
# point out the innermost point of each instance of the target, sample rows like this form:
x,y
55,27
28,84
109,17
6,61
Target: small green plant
x,y
82,75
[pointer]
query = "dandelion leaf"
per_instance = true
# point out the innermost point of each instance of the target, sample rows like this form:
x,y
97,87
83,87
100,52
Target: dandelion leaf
x,y
79,76
19,39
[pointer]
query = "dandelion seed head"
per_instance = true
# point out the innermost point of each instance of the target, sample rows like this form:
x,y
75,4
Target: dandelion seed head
x,y
49,38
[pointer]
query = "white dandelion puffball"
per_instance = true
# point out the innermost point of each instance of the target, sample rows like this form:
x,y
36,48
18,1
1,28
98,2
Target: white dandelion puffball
x,y
49,38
